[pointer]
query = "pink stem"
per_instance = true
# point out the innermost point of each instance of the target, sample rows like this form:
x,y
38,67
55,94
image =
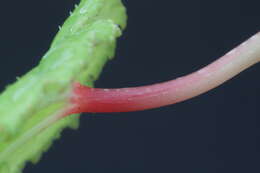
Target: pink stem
x,y
85,99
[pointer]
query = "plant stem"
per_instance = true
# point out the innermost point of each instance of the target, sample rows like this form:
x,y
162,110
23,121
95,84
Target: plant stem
x,y
85,99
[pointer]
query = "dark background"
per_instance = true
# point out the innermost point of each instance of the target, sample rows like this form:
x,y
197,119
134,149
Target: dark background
x,y
215,132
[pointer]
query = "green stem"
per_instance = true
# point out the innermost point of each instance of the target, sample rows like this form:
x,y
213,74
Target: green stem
x,y
81,48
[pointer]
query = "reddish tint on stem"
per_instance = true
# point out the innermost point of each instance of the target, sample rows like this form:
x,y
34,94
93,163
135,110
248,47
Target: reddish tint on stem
x,y
85,99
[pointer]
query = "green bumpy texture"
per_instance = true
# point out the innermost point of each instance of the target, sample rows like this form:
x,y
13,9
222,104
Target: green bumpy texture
x,y
78,53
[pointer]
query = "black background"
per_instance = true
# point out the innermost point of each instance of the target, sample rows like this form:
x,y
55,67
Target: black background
x,y
215,132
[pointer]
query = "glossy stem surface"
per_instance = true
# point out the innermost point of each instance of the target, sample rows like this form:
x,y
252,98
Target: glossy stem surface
x,y
85,99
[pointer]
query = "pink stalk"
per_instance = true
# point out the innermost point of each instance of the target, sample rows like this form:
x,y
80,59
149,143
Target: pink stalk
x,y
85,99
